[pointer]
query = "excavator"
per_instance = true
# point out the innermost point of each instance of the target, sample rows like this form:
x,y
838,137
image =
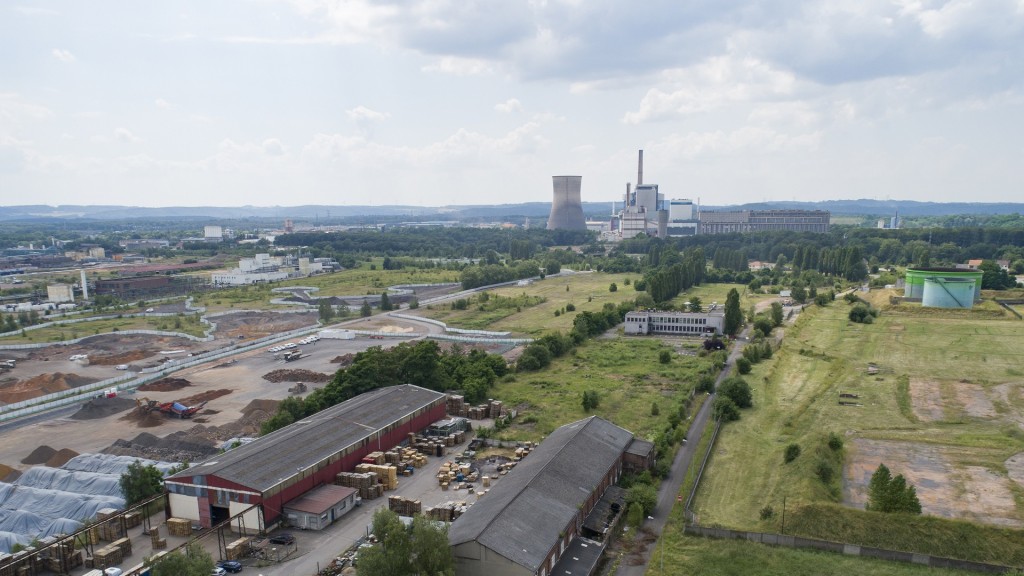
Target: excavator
x,y
175,409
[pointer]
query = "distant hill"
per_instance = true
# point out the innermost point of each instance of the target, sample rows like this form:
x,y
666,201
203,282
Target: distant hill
x,y
476,212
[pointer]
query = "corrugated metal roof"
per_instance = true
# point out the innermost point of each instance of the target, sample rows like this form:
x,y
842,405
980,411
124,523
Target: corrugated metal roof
x,y
522,516
320,500
280,455
640,447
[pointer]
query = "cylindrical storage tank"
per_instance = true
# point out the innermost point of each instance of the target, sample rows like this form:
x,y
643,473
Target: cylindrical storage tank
x,y
915,280
942,292
567,205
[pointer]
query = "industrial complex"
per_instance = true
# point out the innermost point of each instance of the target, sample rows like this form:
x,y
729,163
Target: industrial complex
x,y
551,514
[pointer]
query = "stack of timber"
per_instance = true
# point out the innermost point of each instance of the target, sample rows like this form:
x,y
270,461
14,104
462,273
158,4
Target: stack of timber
x,y
495,409
446,512
237,549
457,405
109,522
107,557
179,527
132,519
155,539
404,506
365,482
386,474
374,458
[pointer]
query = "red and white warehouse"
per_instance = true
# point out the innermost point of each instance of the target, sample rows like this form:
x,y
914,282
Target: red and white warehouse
x,y
285,464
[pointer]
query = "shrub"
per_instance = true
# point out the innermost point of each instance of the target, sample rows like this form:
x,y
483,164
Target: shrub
x,y
570,307
743,365
737,390
763,324
613,288
767,512
791,453
862,314
654,409
725,409
825,471
665,356
835,442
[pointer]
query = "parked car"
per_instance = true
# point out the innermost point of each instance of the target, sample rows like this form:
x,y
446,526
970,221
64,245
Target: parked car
x,y
218,571
282,538
230,566
121,367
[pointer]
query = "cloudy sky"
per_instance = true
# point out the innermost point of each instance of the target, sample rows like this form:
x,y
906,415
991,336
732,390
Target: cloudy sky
x,y
437,102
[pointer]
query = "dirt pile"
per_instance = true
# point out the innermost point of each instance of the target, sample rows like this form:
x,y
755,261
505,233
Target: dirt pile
x,y
8,474
258,324
165,385
40,385
126,357
204,396
103,407
299,375
40,455
61,457
344,360
177,447
145,418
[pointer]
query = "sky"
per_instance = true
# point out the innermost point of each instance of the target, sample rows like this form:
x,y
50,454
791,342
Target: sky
x,y
438,102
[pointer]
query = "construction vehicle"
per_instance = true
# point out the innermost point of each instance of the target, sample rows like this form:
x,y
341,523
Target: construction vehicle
x,y
299,388
176,409
292,355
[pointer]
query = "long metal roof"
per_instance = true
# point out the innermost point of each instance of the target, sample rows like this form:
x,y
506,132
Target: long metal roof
x,y
280,455
522,516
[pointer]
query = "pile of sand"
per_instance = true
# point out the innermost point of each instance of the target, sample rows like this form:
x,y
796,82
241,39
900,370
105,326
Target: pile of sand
x,y
299,375
125,357
103,407
204,396
61,457
8,474
165,385
40,455
344,359
41,385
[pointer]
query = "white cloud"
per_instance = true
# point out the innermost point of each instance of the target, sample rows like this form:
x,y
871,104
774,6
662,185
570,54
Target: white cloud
x,y
364,114
509,106
457,66
63,56
161,103
125,135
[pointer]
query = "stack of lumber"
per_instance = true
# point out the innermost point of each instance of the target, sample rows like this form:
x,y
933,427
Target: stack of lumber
x,y
404,506
457,405
237,549
179,527
386,474
110,527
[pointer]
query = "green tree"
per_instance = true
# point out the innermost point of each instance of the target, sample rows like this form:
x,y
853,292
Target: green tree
x,y
643,494
891,494
140,482
326,311
612,287
695,305
792,452
365,310
591,400
725,409
737,390
392,556
733,313
194,562
665,356
385,302
777,313
743,366
431,553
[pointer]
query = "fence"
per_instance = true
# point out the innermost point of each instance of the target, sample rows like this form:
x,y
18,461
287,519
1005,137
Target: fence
x,y
485,333
687,512
848,549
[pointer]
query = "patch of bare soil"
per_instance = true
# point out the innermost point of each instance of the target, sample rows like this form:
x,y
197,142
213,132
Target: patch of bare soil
x,y
61,457
298,375
926,397
205,396
109,345
40,455
40,385
970,492
975,400
252,324
125,357
102,407
8,474
165,385
344,360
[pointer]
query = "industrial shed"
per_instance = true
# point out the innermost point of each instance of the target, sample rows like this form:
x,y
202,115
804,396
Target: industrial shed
x,y
319,508
283,465
525,524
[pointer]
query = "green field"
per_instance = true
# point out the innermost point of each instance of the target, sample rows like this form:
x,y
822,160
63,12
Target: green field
x,y
586,291
796,401
187,324
353,282
707,557
624,371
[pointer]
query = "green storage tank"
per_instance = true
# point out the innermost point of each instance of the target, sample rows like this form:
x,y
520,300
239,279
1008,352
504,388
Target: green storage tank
x,y
942,292
916,277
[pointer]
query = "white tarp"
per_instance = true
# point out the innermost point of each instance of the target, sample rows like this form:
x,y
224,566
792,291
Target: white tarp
x,y
47,501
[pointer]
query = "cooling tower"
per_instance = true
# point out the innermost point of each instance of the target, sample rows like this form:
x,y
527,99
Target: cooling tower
x,y
566,206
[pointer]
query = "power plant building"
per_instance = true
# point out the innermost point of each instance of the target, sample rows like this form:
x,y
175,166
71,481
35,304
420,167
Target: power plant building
x,y
724,222
275,471
567,204
943,287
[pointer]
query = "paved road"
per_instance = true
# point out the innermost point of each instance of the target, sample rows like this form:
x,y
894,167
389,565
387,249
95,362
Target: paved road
x,y
684,456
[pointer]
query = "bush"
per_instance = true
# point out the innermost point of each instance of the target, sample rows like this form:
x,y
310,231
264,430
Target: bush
x,y
665,356
763,324
737,390
767,513
613,288
743,365
643,494
792,452
570,307
835,442
705,384
654,409
825,471
725,409
862,314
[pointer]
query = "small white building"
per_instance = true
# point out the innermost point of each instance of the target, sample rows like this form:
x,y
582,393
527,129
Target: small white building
x,y
319,508
213,233
675,323
58,293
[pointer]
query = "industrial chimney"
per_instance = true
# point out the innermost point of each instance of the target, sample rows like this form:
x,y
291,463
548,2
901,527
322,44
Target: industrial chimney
x,y
640,170
566,206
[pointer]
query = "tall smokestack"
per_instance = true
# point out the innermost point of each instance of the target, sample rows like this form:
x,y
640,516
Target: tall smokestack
x,y
626,205
567,206
85,286
640,170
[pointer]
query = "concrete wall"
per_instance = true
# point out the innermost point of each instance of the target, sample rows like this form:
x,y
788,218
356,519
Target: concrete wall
x,y
184,506
473,559
251,519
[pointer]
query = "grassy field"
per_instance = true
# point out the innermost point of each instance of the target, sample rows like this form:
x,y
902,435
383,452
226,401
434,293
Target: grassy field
x,y
707,557
624,371
587,292
795,401
188,324
356,281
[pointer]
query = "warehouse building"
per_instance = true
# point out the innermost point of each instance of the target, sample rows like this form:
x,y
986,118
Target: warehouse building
x,y
675,323
285,465
724,222
532,522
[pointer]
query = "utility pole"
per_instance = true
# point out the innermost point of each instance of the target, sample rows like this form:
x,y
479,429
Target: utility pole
x,y
783,514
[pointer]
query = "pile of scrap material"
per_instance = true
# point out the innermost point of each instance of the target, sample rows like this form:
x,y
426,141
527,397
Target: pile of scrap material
x,y
298,375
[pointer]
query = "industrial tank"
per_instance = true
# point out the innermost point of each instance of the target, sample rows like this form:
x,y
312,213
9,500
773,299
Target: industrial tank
x,y
916,277
940,292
